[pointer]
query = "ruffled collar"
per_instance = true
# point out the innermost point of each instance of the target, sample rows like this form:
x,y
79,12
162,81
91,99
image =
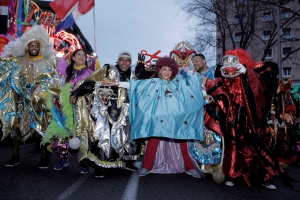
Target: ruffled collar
x,y
34,58
79,67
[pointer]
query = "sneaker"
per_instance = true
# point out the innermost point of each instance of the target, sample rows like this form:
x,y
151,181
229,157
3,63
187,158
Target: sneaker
x,y
269,185
229,183
63,163
144,172
84,170
99,172
193,173
44,162
13,161
129,166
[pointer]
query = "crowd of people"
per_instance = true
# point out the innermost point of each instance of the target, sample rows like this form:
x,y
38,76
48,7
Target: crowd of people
x,y
177,116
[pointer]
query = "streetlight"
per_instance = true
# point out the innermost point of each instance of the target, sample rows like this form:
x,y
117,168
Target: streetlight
x,y
279,41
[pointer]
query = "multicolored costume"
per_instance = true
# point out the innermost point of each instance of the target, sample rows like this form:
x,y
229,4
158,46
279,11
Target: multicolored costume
x,y
112,147
64,120
208,152
283,124
25,81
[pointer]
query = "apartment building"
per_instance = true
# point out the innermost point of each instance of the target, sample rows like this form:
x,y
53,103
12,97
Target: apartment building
x,y
254,27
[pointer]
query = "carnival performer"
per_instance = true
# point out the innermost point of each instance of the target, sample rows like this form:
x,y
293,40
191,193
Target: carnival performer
x,y
168,107
199,63
77,70
25,79
207,153
168,159
246,153
283,124
113,147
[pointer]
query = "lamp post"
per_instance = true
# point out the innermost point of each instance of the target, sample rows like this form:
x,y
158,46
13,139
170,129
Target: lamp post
x,y
279,41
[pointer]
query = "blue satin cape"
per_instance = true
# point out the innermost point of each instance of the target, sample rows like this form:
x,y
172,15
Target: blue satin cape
x,y
170,109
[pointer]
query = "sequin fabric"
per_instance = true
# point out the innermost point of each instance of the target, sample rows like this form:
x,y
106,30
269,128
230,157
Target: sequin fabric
x,y
23,84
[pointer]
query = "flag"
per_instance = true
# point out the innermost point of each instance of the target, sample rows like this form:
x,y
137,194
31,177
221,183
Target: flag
x,y
3,16
69,11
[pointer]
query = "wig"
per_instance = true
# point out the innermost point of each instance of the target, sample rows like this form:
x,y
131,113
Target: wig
x,y
243,57
169,62
20,46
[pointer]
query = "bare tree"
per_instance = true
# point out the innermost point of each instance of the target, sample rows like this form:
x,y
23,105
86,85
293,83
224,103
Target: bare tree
x,y
221,22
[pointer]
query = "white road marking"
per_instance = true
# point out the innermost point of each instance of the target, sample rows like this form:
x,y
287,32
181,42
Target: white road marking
x,y
70,190
26,145
132,187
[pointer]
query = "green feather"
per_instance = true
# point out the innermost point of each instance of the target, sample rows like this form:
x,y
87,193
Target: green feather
x,y
54,130
297,91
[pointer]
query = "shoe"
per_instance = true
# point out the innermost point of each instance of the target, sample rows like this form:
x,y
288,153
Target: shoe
x,y
193,173
84,170
129,166
229,183
269,185
44,162
63,163
99,172
13,161
144,172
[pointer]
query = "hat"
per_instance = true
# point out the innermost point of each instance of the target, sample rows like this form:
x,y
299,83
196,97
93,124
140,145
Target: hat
x,y
36,33
124,54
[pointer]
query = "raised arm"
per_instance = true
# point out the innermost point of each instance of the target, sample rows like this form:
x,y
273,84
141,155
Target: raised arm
x,y
116,83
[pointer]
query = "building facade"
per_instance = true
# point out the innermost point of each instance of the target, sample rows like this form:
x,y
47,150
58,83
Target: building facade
x,y
253,25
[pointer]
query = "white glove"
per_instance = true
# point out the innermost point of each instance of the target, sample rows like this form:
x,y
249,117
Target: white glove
x,y
241,68
204,93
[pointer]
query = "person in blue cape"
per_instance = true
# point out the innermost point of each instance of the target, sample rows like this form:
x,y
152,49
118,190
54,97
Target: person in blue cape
x,y
168,107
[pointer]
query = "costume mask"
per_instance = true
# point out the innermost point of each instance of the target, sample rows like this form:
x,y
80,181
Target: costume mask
x,y
230,67
104,95
183,53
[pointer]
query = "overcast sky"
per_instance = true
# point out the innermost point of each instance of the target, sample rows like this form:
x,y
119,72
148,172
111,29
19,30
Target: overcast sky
x,y
134,25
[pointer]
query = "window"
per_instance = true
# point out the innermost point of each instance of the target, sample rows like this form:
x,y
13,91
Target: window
x,y
238,36
287,71
267,16
238,17
239,2
286,31
268,53
286,51
285,14
267,34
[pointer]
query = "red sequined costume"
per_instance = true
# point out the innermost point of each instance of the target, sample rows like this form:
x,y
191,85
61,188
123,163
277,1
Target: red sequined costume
x,y
243,101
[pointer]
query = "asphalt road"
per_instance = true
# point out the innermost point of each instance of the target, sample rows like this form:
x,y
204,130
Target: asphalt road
x,y
26,181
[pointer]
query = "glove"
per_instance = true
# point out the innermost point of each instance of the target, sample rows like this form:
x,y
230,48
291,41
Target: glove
x,y
141,57
106,65
241,68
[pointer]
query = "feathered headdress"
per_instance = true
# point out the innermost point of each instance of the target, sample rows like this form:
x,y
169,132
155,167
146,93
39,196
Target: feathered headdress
x,y
36,33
